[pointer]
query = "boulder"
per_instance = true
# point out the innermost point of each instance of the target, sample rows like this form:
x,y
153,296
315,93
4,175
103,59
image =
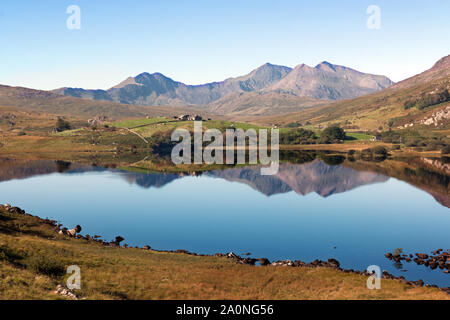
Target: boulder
x,y
73,232
422,255
118,240
263,261
334,263
232,255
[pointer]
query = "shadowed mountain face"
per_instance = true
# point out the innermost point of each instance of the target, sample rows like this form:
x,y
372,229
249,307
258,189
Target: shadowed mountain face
x,y
287,87
315,176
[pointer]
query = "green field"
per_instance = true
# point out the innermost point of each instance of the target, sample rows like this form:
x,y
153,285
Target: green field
x,y
148,127
138,122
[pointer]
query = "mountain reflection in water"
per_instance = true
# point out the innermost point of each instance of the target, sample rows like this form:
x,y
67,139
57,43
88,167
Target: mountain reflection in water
x,y
318,208
315,176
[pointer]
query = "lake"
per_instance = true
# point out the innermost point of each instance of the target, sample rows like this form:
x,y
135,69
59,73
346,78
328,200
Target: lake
x,y
352,211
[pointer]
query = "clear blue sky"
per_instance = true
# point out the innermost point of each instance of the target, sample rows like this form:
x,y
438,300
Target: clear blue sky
x,y
202,41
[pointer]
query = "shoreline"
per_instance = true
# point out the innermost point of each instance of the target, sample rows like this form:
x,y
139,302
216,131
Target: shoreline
x,y
262,262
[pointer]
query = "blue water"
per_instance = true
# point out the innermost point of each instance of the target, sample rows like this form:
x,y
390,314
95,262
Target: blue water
x,y
208,214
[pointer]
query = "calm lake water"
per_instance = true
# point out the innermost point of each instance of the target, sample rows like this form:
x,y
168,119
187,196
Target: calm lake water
x,y
307,211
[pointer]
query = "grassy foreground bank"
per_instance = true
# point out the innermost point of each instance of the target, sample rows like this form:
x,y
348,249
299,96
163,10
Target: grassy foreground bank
x,y
34,257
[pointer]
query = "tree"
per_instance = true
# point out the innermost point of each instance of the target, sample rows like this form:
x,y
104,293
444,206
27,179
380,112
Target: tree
x,y
333,134
62,125
297,136
446,150
390,124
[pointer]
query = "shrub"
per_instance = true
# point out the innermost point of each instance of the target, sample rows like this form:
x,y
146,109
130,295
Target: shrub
x,y
298,136
377,153
428,100
162,144
445,150
351,152
379,150
7,254
396,147
409,104
412,142
62,125
325,140
44,265
293,125
391,137
431,146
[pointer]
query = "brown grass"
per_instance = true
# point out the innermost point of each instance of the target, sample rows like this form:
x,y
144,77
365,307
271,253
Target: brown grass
x,y
119,273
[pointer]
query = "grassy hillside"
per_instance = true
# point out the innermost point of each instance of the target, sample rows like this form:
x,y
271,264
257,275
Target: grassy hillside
x,y
34,258
23,99
367,113
261,103
409,102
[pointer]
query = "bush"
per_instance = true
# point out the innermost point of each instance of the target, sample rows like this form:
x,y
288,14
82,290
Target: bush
x,y
162,144
7,254
413,142
396,147
62,125
445,150
379,150
431,146
298,136
391,137
409,104
293,125
351,152
377,153
428,100
44,265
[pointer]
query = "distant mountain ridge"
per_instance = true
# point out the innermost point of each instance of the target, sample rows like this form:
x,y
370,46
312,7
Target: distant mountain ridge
x,y
157,89
323,82
330,82
386,108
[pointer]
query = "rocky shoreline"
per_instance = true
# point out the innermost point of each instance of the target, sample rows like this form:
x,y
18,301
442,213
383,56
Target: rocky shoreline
x,y
439,259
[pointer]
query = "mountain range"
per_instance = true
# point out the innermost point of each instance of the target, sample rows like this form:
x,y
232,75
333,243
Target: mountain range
x,y
268,95
287,89
378,109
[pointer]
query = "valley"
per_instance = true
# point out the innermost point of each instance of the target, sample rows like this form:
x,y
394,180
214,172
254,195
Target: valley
x,y
365,139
